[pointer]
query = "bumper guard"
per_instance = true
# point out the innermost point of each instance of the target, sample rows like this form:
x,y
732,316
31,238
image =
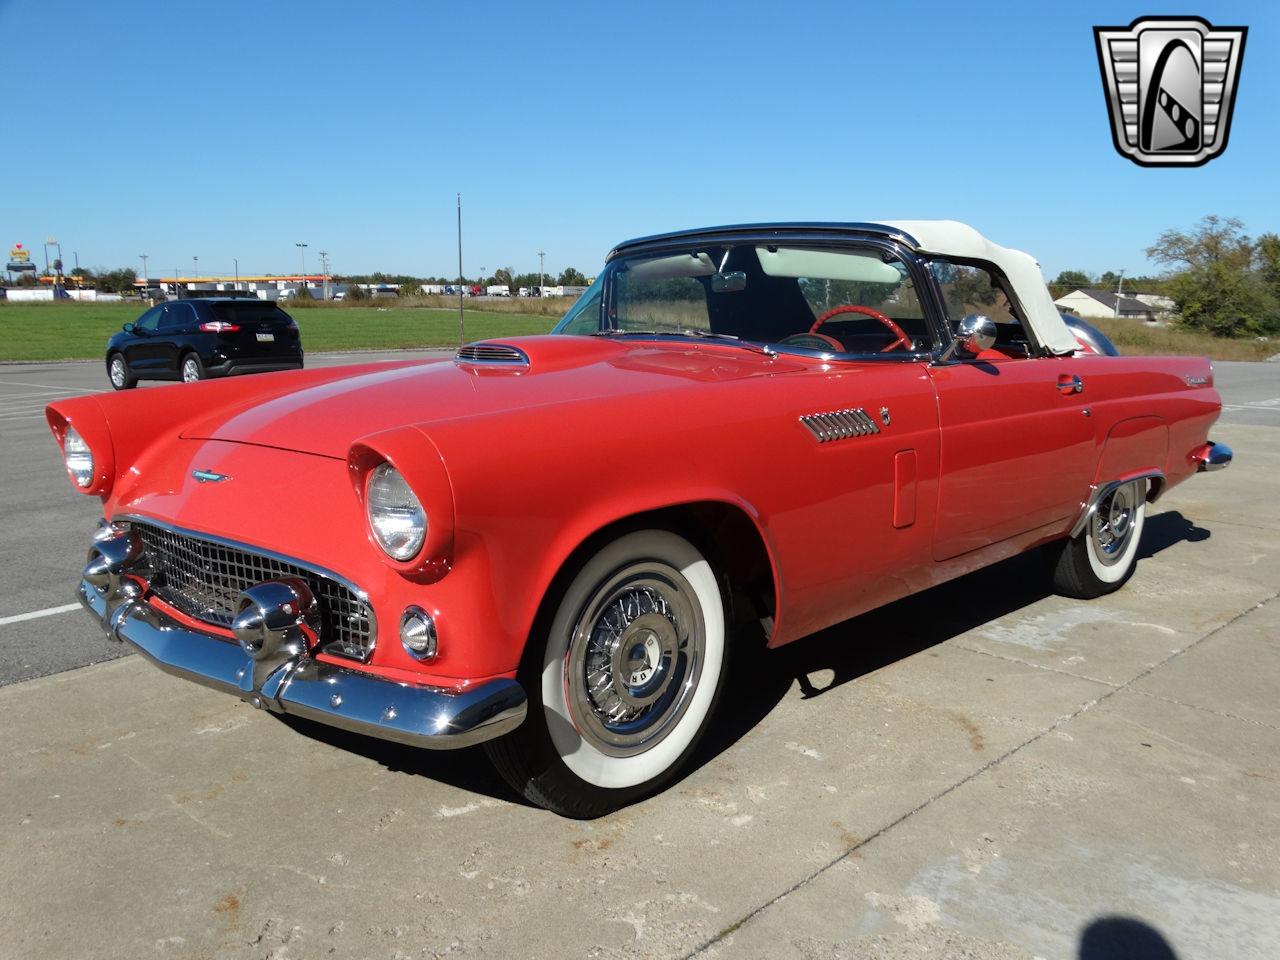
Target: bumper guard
x,y
288,681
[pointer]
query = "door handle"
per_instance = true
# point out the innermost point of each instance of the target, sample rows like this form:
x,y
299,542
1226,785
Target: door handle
x,y
1069,384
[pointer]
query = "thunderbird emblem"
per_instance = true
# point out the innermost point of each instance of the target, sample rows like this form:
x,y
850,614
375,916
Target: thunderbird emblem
x,y
1170,84
208,476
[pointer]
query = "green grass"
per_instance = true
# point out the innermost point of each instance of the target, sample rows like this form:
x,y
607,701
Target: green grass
x,y
1139,337
79,331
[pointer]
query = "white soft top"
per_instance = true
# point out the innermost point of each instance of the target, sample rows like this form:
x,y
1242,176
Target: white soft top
x,y
949,238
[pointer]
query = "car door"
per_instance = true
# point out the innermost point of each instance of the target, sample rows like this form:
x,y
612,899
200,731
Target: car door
x,y
140,350
176,320
1018,446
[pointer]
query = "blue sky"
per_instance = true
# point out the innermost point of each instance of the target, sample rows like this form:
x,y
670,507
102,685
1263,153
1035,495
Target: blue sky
x,y
236,129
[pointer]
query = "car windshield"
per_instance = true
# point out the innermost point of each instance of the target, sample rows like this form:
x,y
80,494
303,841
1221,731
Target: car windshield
x,y
785,297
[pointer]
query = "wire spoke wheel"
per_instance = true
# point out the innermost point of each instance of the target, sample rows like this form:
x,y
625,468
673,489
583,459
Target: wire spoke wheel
x,y
1112,525
634,659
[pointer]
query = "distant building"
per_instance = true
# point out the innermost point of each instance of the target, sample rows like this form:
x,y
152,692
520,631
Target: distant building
x,y
1089,302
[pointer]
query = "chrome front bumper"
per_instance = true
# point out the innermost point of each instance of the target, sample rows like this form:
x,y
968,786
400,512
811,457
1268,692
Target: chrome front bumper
x,y
418,716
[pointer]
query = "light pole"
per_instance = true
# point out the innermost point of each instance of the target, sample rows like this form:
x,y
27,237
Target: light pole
x,y
146,284
237,263
302,249
1119,292
324,270
542,271
462,326
195,267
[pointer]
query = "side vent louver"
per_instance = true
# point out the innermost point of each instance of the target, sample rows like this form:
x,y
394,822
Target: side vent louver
x,y
840,425
499,353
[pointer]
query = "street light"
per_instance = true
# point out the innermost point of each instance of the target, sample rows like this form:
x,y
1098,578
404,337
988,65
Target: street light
x,y
542,271
237,263
195,267
302,249
324,270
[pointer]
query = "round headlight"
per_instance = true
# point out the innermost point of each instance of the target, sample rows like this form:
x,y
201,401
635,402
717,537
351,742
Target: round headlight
x,y
79,458
396,517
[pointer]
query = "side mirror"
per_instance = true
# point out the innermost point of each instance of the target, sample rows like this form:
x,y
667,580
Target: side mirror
x,y
128,328
977,332
734,281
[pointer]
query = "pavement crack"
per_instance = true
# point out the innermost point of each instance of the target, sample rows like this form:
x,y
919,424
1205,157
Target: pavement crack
x,y
925,804
1216,713
1038,666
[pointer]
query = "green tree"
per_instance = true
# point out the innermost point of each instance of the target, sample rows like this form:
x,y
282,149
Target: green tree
x,y
355,292
117,281
1073,279
571,278
1219,281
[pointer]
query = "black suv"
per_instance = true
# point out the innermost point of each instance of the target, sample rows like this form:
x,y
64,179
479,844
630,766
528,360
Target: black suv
x,y
203,337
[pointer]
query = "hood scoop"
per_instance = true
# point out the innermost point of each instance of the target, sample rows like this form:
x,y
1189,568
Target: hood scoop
x,y
486,353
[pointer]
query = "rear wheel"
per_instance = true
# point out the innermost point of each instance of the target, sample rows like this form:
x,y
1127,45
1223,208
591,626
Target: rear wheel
x,y
192,368
628,675
1102,557
119,374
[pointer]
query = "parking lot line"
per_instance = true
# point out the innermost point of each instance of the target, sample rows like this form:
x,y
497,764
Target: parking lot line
x,y
37,614
43,386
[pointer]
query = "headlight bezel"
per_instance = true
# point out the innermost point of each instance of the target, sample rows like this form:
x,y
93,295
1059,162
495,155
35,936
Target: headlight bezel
x,y
402,546
85,416
417,459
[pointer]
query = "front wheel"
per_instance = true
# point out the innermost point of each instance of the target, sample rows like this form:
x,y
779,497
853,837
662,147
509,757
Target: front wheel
x,y
1102,557
119,374
628,677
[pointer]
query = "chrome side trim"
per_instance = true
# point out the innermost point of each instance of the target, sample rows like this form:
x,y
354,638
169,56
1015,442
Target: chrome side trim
x,y
840,424
1212,456
1098,492
484,352
126,518
417,716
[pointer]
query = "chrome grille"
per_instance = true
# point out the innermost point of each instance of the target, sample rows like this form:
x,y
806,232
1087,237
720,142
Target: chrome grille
x,y
840,424
492,353
205,577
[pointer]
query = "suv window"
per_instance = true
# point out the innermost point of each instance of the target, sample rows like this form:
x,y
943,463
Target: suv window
x,y
969,288
248,311
175,317
150,320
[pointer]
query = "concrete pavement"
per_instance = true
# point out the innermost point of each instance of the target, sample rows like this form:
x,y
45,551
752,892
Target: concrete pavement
x,y
981,771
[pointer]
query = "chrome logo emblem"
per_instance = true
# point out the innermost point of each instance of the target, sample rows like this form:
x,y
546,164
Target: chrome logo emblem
x,y
208,476
1170,84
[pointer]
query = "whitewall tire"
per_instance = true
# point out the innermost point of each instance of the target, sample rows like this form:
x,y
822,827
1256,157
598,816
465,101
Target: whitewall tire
x,y
627,678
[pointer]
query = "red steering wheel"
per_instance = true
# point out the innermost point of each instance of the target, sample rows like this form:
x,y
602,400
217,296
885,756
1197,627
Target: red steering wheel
x,y
901,338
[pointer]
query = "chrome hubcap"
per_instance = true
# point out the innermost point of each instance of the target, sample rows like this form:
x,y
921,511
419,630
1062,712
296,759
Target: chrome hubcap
x,y
190,371
117,372
1113,522
634,658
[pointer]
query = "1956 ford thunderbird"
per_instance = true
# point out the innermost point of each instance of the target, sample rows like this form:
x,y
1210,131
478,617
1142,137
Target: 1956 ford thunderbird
x,y
545,543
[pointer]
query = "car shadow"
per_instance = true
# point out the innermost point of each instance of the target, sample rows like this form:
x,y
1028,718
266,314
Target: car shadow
x,y
759,679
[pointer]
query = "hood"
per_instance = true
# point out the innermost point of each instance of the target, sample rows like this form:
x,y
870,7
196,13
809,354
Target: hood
x,y
326,418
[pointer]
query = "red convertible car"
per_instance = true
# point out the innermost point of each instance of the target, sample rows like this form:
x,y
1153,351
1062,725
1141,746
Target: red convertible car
x,y
546,544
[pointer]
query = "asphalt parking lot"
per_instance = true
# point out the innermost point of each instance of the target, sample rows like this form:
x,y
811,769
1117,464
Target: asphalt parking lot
x,y
982,771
